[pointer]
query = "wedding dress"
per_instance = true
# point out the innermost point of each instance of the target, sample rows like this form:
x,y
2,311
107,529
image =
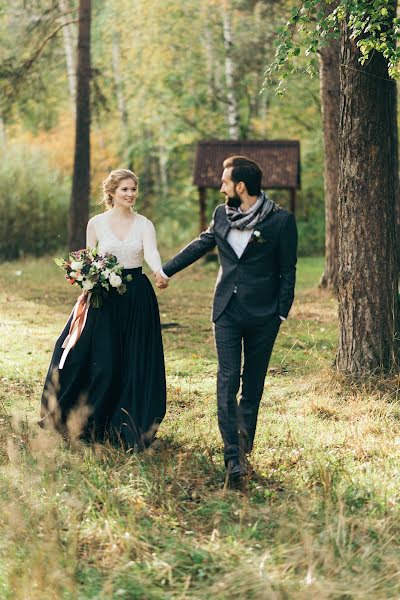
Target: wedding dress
x,y
112,383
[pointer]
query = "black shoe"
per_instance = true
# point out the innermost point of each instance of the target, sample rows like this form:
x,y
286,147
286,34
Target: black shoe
x,y
235,475
233,468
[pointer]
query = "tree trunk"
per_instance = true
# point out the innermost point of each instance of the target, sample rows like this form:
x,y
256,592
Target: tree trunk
x,y
330,104
206,40
3,133
397,192
367,189
79,208
69,48
163,167
233,116
119,86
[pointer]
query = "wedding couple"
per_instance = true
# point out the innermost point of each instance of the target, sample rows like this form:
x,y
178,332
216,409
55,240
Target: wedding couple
x,y
117,365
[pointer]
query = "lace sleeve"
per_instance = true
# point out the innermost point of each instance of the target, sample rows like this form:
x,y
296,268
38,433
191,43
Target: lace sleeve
x,y
91,235
151,254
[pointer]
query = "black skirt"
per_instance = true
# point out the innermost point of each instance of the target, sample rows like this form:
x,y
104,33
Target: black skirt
x,y
112,385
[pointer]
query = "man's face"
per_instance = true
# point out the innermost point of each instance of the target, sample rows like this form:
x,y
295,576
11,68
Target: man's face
x,y
228,188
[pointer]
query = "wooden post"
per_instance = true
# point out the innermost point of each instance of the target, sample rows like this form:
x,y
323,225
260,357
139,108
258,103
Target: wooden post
x,y
203,208
293,200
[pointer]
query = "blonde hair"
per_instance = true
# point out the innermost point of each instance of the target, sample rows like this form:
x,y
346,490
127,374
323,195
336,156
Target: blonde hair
x,y
110,184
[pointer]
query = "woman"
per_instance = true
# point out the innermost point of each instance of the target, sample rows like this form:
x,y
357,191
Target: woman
x,y
112,384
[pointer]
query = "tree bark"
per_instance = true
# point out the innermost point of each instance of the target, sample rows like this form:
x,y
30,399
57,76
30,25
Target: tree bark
x,y
395,131
368,184
79,207
330,104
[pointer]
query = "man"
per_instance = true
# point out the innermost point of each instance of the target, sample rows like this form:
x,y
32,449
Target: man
x,y
257,244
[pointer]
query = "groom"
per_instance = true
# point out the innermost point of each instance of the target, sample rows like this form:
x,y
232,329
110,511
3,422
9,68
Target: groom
x,y
257,244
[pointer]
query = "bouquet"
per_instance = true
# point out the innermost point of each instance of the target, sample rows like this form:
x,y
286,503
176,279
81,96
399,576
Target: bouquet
x,y
94,273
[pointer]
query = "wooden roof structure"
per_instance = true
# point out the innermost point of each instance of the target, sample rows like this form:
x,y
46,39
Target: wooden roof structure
x,y
279,161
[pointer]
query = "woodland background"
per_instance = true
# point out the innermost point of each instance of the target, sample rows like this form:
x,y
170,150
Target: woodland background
x,y
158,86
320,517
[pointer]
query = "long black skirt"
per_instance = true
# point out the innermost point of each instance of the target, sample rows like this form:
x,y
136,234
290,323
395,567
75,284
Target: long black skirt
x,y
112,385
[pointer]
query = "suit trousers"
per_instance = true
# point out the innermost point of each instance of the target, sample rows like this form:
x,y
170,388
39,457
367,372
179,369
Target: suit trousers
x,y
236,335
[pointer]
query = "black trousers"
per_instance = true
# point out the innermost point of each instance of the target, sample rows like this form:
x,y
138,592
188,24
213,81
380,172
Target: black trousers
x,y
237,335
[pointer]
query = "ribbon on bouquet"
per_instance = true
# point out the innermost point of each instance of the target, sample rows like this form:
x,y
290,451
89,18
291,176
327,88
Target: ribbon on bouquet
x,y
79,316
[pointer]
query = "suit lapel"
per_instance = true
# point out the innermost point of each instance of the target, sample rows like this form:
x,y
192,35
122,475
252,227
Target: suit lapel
x,y
223,228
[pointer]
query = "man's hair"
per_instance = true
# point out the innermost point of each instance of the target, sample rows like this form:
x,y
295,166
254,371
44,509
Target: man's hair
x,y
246,170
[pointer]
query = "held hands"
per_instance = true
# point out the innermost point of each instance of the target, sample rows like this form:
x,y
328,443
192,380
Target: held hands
x,y
161,282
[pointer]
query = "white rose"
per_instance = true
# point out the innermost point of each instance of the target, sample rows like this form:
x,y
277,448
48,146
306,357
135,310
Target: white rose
x,y
72,274
257,233
107,273
87,284
115,280
76,265
97,264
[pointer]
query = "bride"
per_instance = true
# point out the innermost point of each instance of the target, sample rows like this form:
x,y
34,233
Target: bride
x,y
113,380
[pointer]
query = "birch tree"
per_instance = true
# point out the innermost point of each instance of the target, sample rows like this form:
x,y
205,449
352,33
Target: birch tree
x,y
69,47
232,105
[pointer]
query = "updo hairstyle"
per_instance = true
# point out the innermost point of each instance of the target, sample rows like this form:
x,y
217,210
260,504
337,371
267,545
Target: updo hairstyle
x,y
110,184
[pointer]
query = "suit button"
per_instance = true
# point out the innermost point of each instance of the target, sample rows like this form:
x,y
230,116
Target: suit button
x,y
235,290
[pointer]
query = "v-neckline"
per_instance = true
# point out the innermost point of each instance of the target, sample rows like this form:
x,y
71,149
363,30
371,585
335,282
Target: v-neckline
x,y
114,234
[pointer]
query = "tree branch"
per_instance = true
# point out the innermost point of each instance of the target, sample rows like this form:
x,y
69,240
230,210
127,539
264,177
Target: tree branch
x,y
29,62
192,124
12,76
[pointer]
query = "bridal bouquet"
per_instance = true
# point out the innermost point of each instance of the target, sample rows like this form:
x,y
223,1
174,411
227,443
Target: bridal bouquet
x,y
94,273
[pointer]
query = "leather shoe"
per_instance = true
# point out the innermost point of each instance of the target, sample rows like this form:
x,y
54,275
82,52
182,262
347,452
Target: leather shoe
x,y
234,468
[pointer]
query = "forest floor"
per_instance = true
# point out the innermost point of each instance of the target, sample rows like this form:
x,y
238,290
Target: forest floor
x,y
319,519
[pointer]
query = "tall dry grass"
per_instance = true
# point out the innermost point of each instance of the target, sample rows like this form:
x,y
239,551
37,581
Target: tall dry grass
x,y
318,520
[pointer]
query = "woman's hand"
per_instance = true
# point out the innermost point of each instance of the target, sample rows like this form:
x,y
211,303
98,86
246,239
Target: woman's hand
x,y
161,282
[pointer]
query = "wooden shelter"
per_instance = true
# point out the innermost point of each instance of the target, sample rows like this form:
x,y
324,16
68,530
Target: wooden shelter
x,y
279,161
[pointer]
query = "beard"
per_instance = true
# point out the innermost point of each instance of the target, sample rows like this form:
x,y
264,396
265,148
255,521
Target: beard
x,y
233,201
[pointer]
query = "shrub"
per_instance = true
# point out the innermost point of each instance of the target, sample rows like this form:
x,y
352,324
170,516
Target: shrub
x,y
311,236
33,204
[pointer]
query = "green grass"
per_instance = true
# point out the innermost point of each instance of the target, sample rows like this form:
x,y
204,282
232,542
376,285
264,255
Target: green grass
x,y
319,520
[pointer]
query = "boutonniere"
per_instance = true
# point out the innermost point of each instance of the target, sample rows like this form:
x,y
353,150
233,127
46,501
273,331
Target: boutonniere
x,y
257,237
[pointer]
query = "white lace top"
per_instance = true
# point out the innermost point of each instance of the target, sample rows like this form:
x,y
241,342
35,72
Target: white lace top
x,y
140,242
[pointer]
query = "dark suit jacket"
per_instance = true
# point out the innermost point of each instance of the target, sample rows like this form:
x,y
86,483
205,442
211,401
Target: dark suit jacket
x,y
264,276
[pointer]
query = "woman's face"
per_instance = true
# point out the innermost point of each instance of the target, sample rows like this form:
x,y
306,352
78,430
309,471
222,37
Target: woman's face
x,y
126,193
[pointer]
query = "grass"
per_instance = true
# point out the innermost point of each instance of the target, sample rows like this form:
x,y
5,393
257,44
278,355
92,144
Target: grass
x,y
319,520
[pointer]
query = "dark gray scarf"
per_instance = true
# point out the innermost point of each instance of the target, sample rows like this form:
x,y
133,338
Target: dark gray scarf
x,y
248,220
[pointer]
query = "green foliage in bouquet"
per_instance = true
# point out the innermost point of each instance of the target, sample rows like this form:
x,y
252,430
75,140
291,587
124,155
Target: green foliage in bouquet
x,y
94,273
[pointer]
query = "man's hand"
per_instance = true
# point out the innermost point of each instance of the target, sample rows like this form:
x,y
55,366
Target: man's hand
x,y
161,282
